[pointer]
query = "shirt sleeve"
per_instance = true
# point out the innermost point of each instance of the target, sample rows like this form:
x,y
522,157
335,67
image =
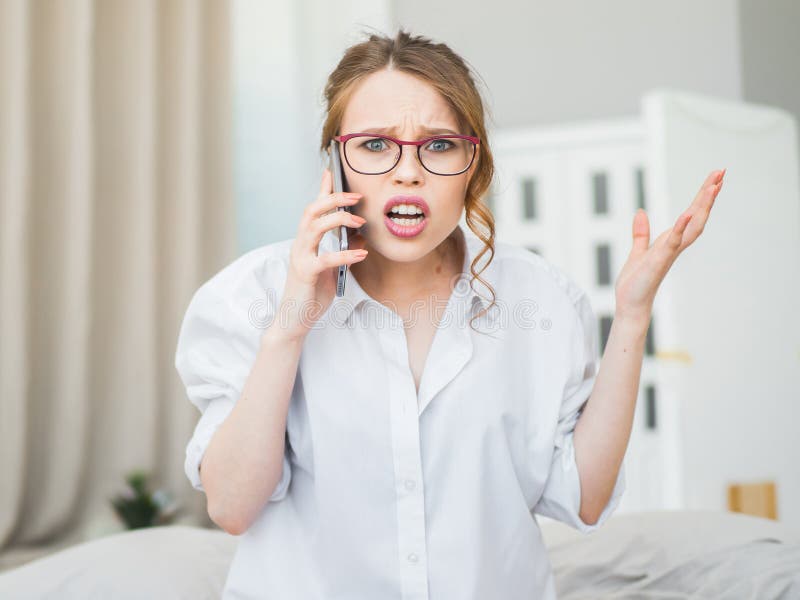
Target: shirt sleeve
x,y
216,349
561,499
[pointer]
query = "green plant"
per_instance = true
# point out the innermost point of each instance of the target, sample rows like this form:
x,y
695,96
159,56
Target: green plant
x,y
138,508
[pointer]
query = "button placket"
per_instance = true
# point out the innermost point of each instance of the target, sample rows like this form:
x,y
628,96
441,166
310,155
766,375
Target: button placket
x,y
411,542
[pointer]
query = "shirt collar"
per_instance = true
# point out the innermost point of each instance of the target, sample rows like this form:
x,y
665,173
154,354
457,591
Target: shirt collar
x,y
354,295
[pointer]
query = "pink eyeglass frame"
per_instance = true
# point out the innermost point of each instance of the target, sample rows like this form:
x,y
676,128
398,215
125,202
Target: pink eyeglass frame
x,y
343,138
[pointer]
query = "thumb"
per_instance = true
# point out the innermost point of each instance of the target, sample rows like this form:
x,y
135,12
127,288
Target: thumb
x,y
641,232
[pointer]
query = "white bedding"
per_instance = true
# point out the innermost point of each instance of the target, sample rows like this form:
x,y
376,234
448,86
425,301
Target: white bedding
x,y
144,564
669,555
660,555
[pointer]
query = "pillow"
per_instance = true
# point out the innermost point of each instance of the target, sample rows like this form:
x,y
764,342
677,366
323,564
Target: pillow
x,y
155,562
676,554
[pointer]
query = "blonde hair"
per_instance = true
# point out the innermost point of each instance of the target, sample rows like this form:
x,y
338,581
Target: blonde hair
x,y
449,74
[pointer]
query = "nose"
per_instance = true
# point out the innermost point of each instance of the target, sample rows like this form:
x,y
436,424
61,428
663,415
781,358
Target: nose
x,y
408,170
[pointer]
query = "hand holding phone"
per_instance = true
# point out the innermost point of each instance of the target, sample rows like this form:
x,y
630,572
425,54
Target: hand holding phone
x,y
311,280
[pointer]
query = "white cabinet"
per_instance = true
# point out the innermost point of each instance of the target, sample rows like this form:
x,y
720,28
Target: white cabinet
x,y
720,386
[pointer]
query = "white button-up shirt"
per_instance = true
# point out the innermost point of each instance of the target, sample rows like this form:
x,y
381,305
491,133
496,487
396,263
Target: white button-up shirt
x,y
392,494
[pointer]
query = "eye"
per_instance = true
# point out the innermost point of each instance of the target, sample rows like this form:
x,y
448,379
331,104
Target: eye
x,y
374,144
440,145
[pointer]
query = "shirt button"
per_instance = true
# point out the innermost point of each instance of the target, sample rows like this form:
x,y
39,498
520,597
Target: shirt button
x,y
412,558
410,484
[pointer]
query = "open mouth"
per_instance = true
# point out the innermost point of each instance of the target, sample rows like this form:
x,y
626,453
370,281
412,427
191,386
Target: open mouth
x,y
405,215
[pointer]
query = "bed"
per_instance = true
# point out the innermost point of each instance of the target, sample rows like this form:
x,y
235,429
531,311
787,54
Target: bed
x,y
661,555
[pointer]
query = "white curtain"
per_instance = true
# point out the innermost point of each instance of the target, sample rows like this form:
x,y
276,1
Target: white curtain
x,y
115,204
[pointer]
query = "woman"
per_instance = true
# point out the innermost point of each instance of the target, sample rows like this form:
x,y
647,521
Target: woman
x,y
397,441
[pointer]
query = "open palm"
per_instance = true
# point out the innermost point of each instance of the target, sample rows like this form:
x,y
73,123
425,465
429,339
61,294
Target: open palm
x,y
647,265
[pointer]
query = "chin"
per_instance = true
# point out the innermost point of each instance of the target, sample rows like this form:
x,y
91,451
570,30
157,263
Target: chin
x,y
413,249
404,250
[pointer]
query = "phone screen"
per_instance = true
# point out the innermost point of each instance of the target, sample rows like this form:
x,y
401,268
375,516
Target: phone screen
x,y
335,167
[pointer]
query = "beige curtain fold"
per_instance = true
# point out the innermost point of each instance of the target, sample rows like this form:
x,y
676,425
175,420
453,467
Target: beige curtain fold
x,y
116,202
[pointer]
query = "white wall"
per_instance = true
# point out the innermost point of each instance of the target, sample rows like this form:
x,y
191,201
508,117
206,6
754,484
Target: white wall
x,y
548,62
770,51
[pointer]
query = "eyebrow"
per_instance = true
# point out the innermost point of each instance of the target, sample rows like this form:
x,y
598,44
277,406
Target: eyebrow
x,y
427,130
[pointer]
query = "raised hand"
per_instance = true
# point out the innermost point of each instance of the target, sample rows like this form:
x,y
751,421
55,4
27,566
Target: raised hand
x,y
647,265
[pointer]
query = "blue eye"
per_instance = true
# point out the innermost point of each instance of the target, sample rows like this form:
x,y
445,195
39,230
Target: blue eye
x,y
374,148
443,145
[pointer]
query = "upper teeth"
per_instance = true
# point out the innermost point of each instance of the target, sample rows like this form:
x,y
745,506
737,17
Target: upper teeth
x,y
406,209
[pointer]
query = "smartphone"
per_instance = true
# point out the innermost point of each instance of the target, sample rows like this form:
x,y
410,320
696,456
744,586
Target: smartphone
x,y
335,167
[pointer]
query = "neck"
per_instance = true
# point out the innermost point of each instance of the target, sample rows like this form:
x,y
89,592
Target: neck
x,y
385,279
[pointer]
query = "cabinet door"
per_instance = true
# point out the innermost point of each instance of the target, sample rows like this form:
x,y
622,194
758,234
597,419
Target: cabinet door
x,y
734,294
529,201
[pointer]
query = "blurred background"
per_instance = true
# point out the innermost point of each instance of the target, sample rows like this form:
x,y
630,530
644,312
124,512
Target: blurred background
x,y
145,145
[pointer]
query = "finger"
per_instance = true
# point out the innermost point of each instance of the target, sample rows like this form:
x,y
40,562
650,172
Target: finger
x,y
641,232
714,177
676,235
701,207
708,191
330,260
700,214
329,203
711,194
683,222
318,227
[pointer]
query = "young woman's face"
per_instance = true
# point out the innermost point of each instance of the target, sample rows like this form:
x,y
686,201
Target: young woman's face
x,y
408,106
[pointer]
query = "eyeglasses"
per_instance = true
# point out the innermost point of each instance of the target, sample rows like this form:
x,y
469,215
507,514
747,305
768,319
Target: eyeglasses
x,y
370,154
